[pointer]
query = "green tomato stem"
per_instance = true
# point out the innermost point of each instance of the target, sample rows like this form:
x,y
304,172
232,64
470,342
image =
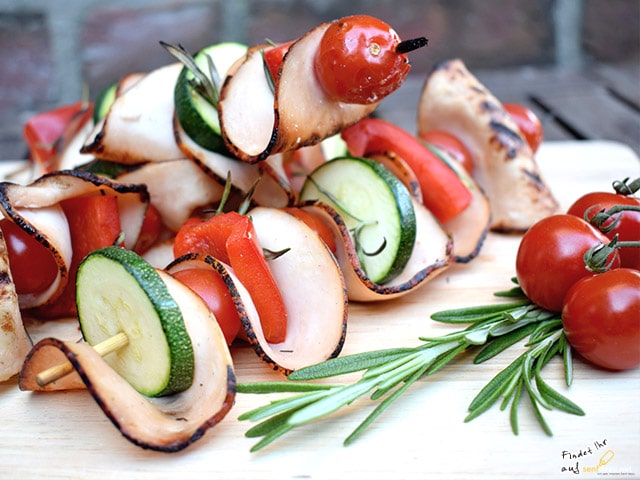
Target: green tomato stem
x,y
625,187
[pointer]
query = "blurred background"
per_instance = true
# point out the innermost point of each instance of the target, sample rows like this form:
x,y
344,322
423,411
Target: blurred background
x,y
53,49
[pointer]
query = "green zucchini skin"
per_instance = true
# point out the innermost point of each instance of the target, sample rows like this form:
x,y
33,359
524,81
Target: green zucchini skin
x,y
104,101
197,116
375,205
117,290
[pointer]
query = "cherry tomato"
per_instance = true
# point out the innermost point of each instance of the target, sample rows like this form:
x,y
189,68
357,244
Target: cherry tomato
x,y
32,265
627,228
231,238
550,258
208,284
601,318
528,123
357,60
451,144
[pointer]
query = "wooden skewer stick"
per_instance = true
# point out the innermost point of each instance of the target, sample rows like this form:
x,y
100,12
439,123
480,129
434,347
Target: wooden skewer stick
x,y
103,348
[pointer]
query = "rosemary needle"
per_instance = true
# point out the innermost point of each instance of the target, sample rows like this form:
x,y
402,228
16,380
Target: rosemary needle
x,y
387,374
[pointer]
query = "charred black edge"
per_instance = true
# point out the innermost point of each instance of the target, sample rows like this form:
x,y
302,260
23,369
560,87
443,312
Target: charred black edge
x,y
7,207
231,147
476,251
96,146
219,267
508,138
98,181
168,448
15,217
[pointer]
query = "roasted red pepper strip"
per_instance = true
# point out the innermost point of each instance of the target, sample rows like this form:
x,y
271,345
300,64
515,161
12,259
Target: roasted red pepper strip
x,y
46,132
444,194
150,230
231,238
273,58
94,222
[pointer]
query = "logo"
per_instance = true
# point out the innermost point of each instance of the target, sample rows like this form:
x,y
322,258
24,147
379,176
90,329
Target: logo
x,y
598,458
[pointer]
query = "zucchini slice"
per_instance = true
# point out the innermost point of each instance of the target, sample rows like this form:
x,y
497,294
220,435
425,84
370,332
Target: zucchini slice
x,y
197,116
376,207
165,424
104,101
118,291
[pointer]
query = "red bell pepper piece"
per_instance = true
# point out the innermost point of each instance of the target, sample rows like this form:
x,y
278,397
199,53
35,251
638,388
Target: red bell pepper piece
x,y
149,231
274,56
94,222
231,238
444,194
47,132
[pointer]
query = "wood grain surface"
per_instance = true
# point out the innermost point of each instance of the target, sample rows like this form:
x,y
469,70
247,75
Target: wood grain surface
x,y
66,436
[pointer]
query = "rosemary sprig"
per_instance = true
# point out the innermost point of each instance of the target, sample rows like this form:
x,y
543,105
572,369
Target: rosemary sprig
x,y
206,84
388,373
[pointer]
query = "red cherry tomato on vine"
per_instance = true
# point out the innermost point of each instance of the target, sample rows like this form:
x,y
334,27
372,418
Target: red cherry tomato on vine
x,y
550,258
528,123
212,289
451,144
601,318
357,61
32,265
627,228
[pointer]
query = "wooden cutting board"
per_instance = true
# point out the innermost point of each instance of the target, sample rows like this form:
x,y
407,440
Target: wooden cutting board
x,y
65,435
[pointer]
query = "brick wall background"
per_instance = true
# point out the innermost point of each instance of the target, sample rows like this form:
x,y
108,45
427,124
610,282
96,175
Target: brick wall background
x,y
53,49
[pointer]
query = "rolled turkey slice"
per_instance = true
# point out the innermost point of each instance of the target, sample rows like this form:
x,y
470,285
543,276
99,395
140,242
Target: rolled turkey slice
x,y
311,285
273,188
431,256
455,101
166,424
257,123
139,125
36,209
176,188
14,343
71,155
